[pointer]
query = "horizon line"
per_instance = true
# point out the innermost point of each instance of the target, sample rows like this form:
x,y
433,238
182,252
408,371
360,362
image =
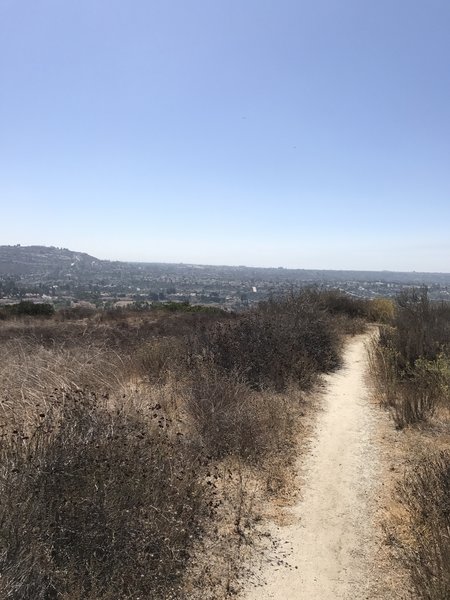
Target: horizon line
x,y
236,266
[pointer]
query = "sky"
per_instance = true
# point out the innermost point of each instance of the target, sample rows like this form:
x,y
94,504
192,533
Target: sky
x,y
295,133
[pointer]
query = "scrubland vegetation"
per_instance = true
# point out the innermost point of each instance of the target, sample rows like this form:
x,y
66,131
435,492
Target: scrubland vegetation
x,y
411,368
135,447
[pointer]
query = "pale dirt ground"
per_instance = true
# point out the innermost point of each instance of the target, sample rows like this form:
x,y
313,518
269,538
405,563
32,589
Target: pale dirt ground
x,y
331,545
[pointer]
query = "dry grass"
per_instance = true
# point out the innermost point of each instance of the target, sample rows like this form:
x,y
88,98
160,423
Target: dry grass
x,y
98,502
410,362
135,451
410,365
424,495
231,419
30,373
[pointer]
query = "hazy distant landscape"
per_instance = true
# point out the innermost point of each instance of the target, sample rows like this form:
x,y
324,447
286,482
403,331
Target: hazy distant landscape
x,y
224,300
65,277
152,448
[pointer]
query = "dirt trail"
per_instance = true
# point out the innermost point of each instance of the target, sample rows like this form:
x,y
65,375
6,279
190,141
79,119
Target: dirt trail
x,y
331,532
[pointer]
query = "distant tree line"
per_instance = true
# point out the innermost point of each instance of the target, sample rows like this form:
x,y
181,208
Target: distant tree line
x,y
27,308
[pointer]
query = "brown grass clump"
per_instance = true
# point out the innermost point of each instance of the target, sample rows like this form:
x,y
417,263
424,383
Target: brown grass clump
x,y
30,373
425,494
157,358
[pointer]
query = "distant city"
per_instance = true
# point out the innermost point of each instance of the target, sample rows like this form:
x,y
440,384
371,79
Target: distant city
x,y
66,278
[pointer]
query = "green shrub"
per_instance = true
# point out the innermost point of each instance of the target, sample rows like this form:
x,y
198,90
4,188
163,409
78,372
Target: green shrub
x,y
27,308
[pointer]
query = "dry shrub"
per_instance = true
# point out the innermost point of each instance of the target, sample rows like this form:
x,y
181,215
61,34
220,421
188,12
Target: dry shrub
x,y
105,500
412,405
233,420
336,302
426,388
98,502
284,341
411,368
382,364
425,494
411,362
74,313
415,394
382,310
422,328
350,325
222,566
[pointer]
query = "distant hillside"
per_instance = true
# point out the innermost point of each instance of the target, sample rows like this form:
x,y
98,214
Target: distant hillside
x,y
47,262
38,264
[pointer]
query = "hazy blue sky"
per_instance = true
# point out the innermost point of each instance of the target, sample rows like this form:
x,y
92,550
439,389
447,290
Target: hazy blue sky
x,y
303,133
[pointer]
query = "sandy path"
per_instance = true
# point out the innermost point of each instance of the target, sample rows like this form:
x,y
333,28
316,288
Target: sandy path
x,y
331,532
